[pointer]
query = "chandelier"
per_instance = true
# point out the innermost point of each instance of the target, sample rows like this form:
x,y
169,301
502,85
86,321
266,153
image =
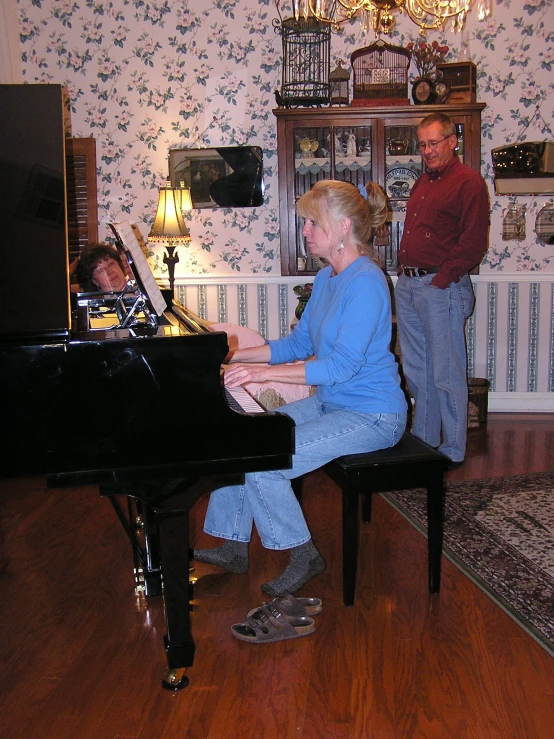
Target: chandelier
x,y
378,14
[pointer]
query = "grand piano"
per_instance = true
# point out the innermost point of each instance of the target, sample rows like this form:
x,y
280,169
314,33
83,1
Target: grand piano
x,y
136,409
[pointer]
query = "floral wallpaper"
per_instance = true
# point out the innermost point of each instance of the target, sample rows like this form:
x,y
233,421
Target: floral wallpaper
x,y
147,76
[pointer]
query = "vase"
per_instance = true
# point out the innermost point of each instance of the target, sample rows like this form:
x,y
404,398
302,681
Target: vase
x,y
302,303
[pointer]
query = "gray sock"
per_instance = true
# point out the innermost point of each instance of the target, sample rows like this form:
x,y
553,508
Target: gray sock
x,y
305,562
231,555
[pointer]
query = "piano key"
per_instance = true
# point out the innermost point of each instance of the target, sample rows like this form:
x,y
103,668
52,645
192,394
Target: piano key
x,y
241,401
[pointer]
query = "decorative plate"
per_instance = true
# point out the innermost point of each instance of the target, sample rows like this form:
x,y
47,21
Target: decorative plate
x,y
399,181
307,144
422,91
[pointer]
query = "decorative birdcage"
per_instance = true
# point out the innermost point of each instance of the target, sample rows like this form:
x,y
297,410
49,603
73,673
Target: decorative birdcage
x,y
306,61
340,85
380,75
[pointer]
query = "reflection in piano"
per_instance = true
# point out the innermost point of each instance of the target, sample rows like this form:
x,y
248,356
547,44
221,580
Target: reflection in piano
x,y
140,411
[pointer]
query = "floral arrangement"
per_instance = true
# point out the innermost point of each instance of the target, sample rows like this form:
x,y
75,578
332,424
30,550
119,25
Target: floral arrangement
x,y
427,56
303,292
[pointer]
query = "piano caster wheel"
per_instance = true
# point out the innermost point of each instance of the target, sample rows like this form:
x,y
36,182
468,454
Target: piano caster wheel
x,y
175,679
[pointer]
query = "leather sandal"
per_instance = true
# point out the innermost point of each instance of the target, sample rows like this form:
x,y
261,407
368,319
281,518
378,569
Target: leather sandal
x,y
291,606
272,625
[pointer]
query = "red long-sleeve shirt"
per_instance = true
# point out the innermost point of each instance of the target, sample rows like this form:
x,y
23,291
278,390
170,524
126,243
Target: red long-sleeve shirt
x,y
447,222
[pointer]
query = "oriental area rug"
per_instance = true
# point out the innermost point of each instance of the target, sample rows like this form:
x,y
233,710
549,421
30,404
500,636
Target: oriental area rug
x,y
500,533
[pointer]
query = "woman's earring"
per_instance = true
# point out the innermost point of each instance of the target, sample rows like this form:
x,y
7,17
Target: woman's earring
x,y
340,247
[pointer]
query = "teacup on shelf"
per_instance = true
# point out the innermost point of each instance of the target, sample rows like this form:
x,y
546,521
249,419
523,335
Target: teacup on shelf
x,y
399,146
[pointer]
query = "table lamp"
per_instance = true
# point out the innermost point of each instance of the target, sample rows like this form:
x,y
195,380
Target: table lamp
x,y
169,225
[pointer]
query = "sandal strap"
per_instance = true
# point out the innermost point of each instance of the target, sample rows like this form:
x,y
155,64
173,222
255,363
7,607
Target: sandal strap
x,y
269,622
292,606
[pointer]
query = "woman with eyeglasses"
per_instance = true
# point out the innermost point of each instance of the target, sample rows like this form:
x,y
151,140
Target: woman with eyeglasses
x,y
100,268
445,237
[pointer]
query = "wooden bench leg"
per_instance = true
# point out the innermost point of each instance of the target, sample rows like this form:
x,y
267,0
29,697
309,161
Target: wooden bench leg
x,y
350,537
435,531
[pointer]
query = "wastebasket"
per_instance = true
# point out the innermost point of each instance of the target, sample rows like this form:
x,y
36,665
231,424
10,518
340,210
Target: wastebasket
x,y
478,389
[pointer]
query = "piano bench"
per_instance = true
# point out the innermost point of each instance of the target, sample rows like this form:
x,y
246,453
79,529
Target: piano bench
x,y
410,464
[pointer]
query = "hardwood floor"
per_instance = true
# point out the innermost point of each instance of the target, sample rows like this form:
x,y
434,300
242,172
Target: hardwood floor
x,y
82,656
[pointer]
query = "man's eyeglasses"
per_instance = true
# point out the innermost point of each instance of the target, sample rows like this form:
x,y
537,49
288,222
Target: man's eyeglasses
x,y
422,145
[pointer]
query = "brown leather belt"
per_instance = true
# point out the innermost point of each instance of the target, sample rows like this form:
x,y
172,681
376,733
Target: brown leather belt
x,y
419,271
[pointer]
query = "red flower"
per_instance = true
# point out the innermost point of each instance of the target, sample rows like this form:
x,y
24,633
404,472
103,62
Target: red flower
x,y
427,56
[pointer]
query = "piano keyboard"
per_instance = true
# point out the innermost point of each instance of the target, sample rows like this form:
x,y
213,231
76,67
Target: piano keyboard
x,y
240,400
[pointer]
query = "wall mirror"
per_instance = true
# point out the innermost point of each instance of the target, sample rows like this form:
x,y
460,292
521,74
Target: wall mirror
x,y
223,177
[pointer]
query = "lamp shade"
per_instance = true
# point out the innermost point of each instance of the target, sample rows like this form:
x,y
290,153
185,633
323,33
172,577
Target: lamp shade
x,y
185,200
169,224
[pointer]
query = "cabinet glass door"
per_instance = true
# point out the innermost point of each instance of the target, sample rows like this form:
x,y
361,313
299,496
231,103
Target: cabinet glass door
x,y
312,162
460,133
338,152
403,166
353,154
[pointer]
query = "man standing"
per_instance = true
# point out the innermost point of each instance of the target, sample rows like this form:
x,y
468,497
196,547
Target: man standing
x,y
445,236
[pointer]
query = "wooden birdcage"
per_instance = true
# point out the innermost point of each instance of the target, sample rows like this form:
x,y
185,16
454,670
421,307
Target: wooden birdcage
x,y
380,74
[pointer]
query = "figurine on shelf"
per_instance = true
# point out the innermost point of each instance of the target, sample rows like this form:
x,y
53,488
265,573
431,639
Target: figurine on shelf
x,y
351,150
339,146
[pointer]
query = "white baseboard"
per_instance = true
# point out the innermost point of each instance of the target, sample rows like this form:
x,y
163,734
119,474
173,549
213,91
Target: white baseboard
x,y
527,402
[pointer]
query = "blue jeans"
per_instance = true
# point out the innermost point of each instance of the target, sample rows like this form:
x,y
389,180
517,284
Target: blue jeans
x,y
434,358
323,433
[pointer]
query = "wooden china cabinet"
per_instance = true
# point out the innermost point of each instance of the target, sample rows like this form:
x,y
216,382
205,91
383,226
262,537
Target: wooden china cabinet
x,y
358,145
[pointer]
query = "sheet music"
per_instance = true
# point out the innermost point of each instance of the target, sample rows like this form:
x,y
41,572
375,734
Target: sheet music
x,y
130,242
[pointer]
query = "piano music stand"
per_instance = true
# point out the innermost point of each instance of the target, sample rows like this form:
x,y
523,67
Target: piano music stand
x,y
126,306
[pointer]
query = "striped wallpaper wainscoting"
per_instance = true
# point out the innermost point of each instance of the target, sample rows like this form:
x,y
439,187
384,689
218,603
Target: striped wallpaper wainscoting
x,y
510,334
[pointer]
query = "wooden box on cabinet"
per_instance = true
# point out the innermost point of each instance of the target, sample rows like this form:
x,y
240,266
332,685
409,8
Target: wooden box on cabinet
x,y
357,145
461,78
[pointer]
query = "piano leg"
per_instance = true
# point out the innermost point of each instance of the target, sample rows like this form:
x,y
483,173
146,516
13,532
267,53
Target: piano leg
x,y
179,644
165,512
